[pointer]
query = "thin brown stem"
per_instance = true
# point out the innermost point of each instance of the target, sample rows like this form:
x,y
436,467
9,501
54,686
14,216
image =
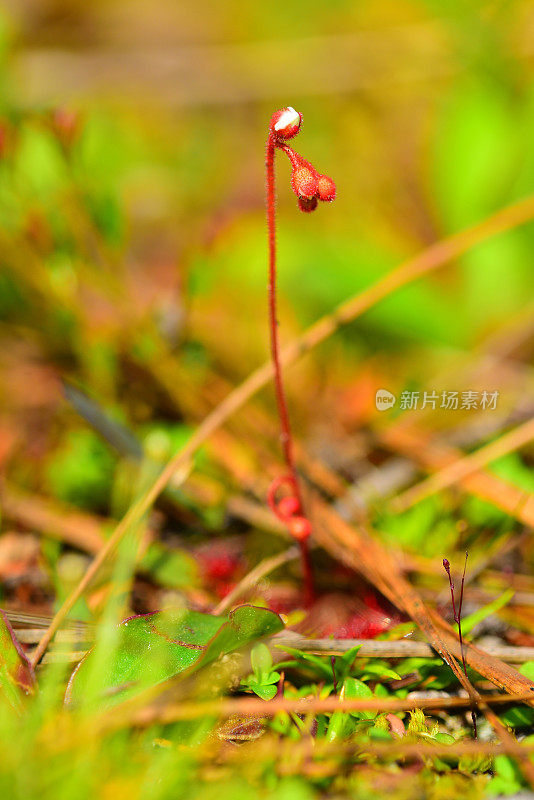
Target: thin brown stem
x,y
134,713
466,466
458,620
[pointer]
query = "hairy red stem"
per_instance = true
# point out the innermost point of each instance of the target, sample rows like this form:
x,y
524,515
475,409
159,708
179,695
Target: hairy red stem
x,y
285,428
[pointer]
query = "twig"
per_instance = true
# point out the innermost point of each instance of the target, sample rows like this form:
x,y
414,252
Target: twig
x,y
245,706
33,636
465,466
401,648
436,455
83,531
43,620
369,648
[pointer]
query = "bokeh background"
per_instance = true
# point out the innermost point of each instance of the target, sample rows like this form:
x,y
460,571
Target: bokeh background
x,y
132,231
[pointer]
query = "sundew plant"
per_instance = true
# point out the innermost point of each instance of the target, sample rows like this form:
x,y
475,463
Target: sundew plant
x,y
245,451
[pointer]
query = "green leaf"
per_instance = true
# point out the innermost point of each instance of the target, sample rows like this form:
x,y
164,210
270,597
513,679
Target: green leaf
x,y
527,669
444,738
336,726
261,660
155,647
344,662
507,770
266,692
323,668
16,674
252,681
379,735
518,717
353,689
378,670
263,685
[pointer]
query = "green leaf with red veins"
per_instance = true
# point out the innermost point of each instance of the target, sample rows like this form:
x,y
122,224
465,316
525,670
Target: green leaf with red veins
x,y
155,647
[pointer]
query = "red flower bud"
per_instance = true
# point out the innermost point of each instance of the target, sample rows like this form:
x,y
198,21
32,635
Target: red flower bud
x,y
288,506
304,176
299,528
304,182
307,204
285,123
326,189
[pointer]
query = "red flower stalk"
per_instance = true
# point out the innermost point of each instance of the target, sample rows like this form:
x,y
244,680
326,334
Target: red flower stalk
x,y
309,186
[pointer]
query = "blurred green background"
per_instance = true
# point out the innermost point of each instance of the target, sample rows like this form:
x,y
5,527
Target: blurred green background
x,y
132,231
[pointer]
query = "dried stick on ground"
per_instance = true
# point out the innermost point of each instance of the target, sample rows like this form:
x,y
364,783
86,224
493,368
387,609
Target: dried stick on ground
x,y
394,648
435,455
464,466
251,706
84,531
